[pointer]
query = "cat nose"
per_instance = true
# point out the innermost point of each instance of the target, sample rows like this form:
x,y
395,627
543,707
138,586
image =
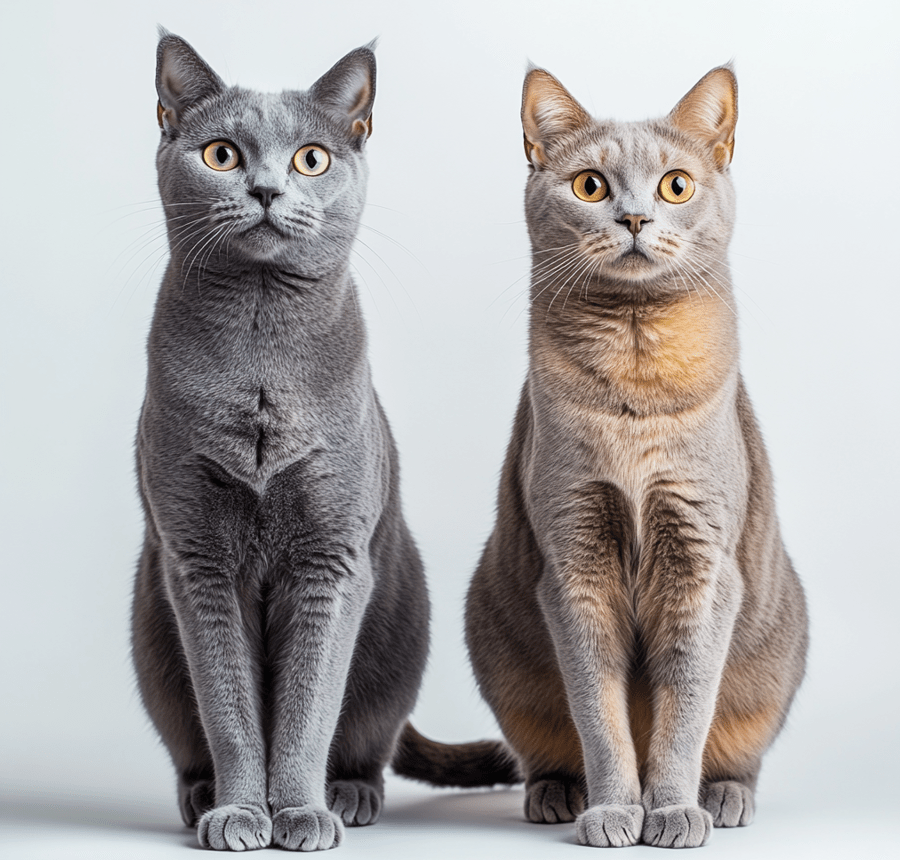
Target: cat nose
x,y
634,222
265,194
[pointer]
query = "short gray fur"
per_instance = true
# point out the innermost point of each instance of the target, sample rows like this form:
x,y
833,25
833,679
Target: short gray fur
x,y
280,618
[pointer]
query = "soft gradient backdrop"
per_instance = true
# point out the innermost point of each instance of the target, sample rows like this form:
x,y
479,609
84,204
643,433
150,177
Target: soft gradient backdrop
x,y
442,266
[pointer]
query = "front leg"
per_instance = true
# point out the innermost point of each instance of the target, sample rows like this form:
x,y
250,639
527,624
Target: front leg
x,y
205,593
688,595
586,604
315,612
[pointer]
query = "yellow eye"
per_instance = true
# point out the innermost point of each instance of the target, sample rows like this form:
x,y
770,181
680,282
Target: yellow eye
x,y
590,186
221,155
311,160
676,187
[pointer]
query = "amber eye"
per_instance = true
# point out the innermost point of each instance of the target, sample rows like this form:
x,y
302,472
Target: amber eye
x,y
311,160
676,187
590,186
221,155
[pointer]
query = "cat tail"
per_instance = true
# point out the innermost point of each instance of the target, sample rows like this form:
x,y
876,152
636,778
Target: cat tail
x,y
480,763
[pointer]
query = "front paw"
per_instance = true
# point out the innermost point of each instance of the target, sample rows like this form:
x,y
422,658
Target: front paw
x,y
237,827
306,828
610,826
355,802
677,827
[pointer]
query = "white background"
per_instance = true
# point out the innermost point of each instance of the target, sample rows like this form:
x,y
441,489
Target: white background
x,y
83,249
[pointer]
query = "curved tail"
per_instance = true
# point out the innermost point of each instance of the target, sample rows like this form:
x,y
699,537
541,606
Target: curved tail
x,y
463,765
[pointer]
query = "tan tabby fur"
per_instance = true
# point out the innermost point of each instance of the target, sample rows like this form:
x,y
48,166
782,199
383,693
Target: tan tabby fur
x,y
635,622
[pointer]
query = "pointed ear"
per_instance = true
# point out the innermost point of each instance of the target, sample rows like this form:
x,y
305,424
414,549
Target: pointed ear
x,y
182,79
548,110
347,92
709,112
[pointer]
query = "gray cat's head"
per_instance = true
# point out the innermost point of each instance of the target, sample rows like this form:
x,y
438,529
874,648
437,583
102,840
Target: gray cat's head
x,y
629,206
277,178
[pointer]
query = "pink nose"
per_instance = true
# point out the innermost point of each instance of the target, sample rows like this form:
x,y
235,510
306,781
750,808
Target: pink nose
x,y
634,222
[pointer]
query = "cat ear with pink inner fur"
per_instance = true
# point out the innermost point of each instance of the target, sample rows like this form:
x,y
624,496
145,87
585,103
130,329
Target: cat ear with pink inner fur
x,y
709,112
548,110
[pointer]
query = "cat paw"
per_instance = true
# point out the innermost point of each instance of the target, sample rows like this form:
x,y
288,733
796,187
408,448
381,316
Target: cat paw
x,y
610,826
677,827
353,801
195,799
235,828
729,803
306,828
552,801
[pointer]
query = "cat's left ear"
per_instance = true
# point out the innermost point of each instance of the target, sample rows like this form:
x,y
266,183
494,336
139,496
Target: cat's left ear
x,y
347,92
709,112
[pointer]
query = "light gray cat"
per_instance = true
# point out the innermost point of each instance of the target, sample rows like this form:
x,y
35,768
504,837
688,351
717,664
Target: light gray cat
x,y
635,622
280,616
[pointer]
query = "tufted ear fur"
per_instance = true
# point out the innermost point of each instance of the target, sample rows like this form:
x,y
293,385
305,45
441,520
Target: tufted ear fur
x,y
182,79
548,110
347,92
709,112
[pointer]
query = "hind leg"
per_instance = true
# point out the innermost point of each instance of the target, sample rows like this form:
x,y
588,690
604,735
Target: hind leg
x,y
535,720
731,764
166,689
386,672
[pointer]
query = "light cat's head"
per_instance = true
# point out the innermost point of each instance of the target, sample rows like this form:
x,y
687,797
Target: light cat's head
x,y
633,207
277,178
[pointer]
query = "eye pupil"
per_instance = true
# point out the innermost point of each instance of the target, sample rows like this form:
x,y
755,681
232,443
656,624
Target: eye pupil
x,y
591,185
312,159
678,186
222,154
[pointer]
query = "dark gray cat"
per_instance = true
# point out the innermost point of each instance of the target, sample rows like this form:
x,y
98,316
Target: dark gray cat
x,y
280,611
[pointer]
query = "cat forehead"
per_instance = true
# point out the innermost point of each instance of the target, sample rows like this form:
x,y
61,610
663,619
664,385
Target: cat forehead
x,y
264,120
634,147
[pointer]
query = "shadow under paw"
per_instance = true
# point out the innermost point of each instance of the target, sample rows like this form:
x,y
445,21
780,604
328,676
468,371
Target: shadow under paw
x,y
610,826
306,828
553,801
236,827
677,827
730,803
355,802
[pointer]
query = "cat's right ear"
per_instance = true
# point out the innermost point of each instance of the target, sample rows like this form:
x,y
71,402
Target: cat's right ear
x,y
183,78
548,110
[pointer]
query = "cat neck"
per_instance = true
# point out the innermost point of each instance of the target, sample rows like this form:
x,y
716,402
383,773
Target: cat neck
x,y
262,308
639,355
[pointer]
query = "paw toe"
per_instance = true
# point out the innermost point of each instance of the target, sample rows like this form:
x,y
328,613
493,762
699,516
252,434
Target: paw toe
x,y
355,802
610,826
729,803
306,828
236,827
677,827
550,801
